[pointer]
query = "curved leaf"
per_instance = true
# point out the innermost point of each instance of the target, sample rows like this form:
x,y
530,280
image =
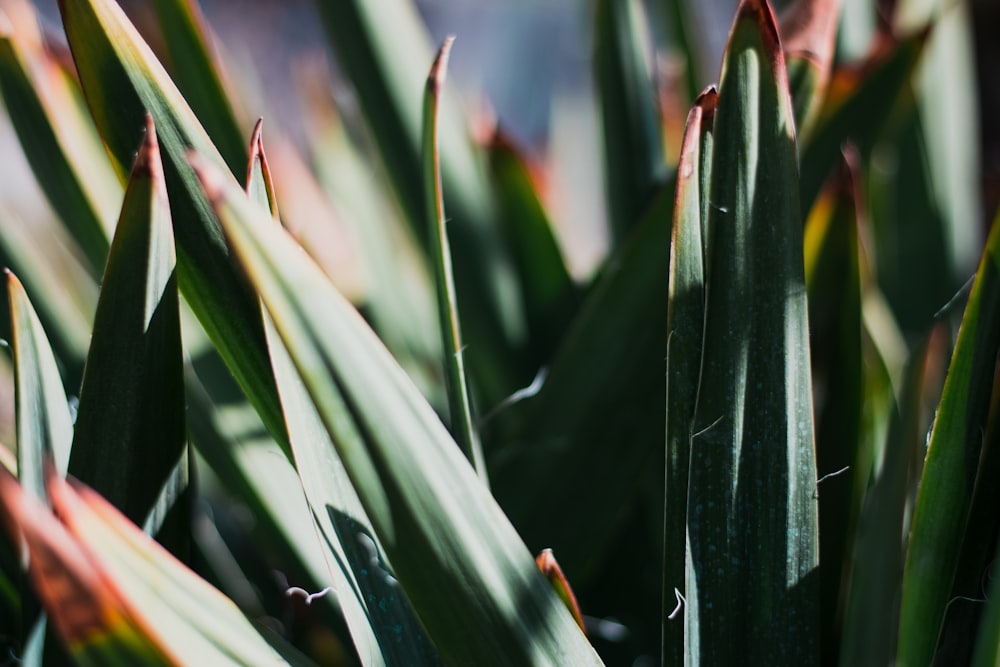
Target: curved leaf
x,y
473,584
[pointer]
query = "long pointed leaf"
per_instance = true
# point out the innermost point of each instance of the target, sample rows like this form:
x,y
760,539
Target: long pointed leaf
x,y
59,140
950,471
752,522
459,406
123,81
472,582
130,427
44,427
382,624
633,147
685,326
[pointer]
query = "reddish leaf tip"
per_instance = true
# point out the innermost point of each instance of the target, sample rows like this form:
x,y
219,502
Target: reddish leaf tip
x,y
761,13
435,81
147,162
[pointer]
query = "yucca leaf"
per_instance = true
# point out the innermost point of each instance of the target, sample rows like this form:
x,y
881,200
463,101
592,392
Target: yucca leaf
x,y
459,407
62,287
44,426
871,602
633,145
947,91
564,454
123,81
130,431
808,28
752,584
855,108
166,603
987,650
382,625
950,472
473,584
833,271
59,139
551,299
88,613
195,68
385,63
685,328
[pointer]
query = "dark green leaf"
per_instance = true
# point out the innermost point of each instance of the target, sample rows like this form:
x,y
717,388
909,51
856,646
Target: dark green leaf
x,y
633,145
752,584
130,431
473,584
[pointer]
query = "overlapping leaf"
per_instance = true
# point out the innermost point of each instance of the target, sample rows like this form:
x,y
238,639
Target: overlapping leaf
x,y
474,585
751,582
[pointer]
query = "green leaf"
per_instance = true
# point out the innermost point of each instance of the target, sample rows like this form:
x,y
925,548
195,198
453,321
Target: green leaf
x,y
551,299
385,62
633,145
871,602
855,109
59,139
685,324
473,584
123,81
808,28
833,270
196,70
567,472
130,431
44,425
752,584
950,471
462,428
382,624
987,652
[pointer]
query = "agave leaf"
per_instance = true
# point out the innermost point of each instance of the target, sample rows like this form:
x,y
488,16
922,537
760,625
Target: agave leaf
x,y
633,145
123,81
130,430
752,585
462,428
855,109
808,28
551,300
951,468
381,622
472,582
58,138
384,62
44,425
195,68
685,324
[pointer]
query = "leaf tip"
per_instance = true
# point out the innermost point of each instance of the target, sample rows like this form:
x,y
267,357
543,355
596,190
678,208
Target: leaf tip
x,y
435,81
147,162
761,13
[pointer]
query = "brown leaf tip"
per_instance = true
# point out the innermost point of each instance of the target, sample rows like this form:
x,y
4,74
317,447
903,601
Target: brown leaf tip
x,y
435,81
707,101
147,161
761,13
